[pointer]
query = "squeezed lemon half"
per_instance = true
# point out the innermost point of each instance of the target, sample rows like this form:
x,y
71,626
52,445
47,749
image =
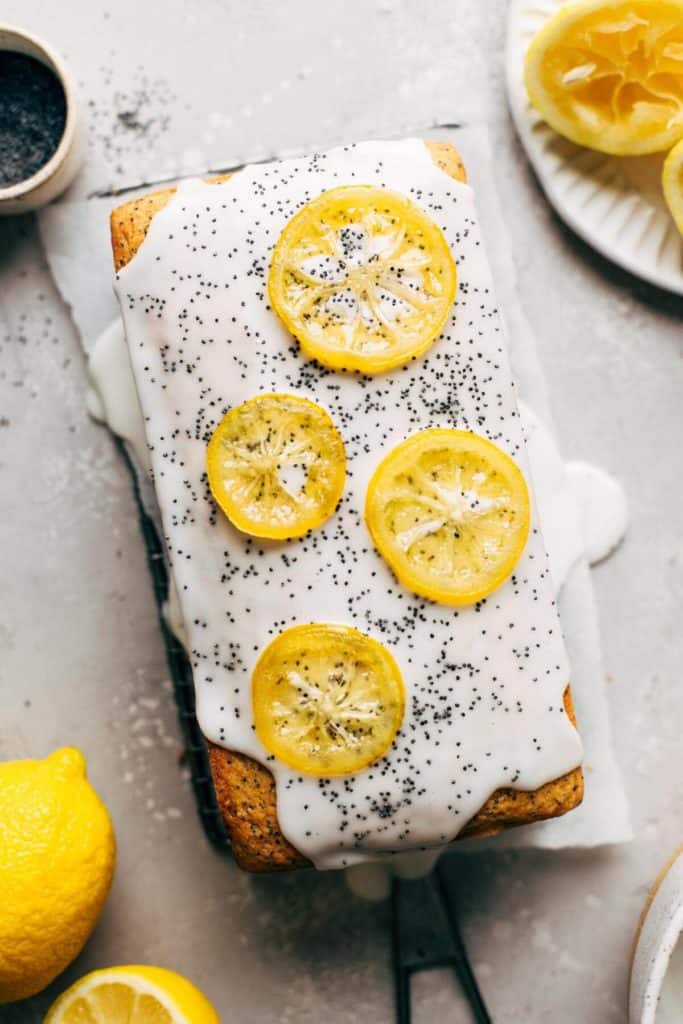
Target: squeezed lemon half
x,y
362,278
672,184
276,466
328,700
134,995
449,511
608,74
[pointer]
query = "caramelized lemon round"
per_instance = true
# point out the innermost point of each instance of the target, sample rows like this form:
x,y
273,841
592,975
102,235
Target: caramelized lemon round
x,y
276,466
449,511
363,278
609,74
328,700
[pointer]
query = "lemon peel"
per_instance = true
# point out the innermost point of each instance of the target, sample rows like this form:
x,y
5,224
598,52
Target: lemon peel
x,y
672,184
136,994
57,855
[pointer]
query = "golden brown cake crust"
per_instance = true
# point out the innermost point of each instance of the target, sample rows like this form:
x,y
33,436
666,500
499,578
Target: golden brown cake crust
x,y
245,789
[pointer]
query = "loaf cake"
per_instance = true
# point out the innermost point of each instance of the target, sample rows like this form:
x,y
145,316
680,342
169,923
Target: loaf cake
x,y
178,345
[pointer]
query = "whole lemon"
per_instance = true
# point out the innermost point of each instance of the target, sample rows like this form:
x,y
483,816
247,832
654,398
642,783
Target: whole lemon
x,y
57,855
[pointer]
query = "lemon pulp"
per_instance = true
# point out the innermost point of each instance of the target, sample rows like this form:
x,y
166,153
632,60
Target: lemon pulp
x,y
449,511
328,699
608,74
276,466
362,278
136,994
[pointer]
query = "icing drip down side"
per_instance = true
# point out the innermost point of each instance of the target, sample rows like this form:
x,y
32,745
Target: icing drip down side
x,y
484,683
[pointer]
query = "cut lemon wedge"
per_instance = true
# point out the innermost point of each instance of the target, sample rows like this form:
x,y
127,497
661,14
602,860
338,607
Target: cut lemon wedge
x,y
363,278
449,511
672,183
328,700
276,466
132,995
609,74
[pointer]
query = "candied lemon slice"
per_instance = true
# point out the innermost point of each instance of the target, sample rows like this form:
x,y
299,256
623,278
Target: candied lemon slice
x,y
609,74
328,700
363,278
449,511
672,183
276,466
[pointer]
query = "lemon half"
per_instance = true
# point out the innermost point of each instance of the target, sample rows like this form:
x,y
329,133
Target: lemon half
x,y
608,74
672,184
328,699
132,995
276,466
449,511
363,278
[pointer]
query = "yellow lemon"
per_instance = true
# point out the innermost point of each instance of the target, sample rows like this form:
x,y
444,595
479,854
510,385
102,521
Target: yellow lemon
x,y
328,700
132,995
672,183
609,74
276,466
57,858
450,513
363,278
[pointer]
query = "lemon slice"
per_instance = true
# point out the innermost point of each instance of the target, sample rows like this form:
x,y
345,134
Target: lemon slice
x,y
132,995
672,183
449,511
363,278
328,700
609,74
276,466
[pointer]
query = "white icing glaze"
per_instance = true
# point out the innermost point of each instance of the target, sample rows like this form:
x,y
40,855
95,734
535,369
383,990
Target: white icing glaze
x,y
603,509
557,508
112,399
371,880
485,683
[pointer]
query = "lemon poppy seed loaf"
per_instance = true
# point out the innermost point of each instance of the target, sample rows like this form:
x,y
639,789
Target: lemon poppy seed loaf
x,y
245,788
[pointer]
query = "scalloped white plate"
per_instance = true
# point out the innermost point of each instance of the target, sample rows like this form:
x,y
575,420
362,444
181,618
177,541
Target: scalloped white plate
x,y
614,203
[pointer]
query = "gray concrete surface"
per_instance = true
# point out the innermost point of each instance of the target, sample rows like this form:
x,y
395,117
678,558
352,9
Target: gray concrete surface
x,y
81,659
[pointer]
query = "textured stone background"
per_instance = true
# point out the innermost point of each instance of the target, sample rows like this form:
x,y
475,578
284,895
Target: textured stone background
x,y
195,84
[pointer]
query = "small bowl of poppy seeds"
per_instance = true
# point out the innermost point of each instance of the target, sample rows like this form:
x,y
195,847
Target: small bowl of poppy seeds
x,y
40,127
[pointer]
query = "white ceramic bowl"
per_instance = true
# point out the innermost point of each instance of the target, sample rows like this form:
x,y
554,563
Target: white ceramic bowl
x,y
60,170
656,991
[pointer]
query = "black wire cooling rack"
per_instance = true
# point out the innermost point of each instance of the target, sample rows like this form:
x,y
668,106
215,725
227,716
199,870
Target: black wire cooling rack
x,y
180,671
425,927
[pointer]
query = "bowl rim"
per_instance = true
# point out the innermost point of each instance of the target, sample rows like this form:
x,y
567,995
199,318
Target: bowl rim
x,y
650,960
42,51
